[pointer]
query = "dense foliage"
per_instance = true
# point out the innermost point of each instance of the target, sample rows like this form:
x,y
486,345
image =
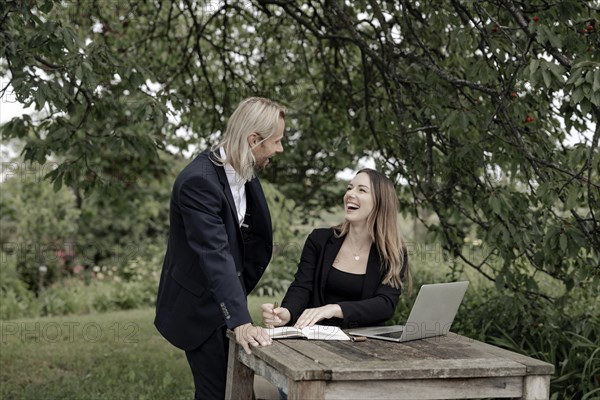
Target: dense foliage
x,y
477,108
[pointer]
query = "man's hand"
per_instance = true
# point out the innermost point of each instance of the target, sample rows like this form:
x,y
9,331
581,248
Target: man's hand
x,y
311,316
253,335
275,316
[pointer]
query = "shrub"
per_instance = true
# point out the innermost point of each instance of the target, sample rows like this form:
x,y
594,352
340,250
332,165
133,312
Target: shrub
x,y
15,299
565,333
107,288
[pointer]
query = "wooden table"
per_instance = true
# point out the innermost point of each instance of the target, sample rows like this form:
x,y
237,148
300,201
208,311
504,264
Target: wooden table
x,y
450,367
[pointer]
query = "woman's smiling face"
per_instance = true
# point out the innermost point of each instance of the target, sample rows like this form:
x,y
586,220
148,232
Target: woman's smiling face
x,y
358,200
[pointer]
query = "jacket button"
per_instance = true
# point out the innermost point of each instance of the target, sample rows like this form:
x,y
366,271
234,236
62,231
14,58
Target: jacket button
x,y
239,273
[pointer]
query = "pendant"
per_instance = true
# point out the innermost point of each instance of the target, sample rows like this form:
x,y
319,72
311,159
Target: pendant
x,y
356,257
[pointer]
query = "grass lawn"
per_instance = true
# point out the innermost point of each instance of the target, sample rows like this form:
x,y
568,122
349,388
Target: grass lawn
x,y
116,355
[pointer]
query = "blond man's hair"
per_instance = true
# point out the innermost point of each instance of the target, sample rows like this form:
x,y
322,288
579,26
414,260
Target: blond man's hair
x,y
253,115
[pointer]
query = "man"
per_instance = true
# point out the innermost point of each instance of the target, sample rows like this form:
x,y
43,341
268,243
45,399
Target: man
x,y
220,242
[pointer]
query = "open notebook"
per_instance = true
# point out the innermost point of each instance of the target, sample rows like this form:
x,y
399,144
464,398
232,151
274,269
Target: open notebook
x,y
315,332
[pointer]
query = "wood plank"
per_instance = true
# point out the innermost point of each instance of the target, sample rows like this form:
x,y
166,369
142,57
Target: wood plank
x,y
534,366
268,372
385,350
373,349
426,389
350,353
314,350
306,390
240,378
425,369
448,347
536,387
288,361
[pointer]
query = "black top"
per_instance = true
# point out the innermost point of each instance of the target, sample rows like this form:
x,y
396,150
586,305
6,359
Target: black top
x,y
343,286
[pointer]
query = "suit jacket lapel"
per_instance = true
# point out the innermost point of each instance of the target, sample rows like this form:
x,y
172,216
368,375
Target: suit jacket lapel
x,y
225,184
258,207
373,274
328,258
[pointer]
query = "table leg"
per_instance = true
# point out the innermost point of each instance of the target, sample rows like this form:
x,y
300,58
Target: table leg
x,y
536,387
298,390
240,379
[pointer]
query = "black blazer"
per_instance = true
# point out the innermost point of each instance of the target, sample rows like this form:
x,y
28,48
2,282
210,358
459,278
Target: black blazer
x,y
378,301
210,265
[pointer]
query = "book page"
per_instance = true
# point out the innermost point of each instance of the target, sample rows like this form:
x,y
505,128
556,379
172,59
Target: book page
x,y
324,332
285,332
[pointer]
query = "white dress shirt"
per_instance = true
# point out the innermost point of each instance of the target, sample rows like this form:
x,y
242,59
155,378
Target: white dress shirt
x,y
238,188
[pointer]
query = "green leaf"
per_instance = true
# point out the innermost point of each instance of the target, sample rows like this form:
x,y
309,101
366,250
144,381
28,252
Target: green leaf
x,y
563,242
533,67
535,73
586,106
554,40
589,77
40,100
495,204
595,99
542,34
547,78
69,40
577,96
136,79
558,72
47,6
596,85
58,182
571,200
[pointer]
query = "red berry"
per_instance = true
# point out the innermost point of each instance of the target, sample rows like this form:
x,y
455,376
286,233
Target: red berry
x,y
590,28
495,29
536,18
529,119
513,94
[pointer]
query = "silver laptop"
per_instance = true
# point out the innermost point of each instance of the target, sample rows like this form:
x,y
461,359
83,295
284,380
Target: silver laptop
x,y
431,315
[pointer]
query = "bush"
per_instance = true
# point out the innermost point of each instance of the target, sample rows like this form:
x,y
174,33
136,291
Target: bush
x,y
15,299
564,333
107,288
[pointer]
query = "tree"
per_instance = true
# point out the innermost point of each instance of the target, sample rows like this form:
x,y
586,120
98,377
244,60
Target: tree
x,y
470,105
37,225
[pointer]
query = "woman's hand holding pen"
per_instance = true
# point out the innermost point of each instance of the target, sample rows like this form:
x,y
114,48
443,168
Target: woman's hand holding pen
x,y
274,315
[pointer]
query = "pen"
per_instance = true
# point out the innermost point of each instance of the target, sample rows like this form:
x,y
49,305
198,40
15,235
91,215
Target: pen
x,y
275,305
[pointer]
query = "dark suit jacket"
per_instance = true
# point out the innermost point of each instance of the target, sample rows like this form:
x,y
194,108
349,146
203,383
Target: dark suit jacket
x,y
378,301
210,265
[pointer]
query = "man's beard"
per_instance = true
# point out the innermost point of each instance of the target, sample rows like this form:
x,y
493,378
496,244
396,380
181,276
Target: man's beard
x,y
261,165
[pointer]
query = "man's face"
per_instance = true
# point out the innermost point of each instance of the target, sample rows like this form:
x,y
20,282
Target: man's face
x,y
267,149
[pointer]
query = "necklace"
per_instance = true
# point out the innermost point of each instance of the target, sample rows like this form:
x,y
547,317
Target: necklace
x,y
355,253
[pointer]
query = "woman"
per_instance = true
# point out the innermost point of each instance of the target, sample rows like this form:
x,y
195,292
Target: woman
x,y
352,274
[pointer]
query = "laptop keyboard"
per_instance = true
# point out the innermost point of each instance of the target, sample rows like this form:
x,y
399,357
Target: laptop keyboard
x,y
395,335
